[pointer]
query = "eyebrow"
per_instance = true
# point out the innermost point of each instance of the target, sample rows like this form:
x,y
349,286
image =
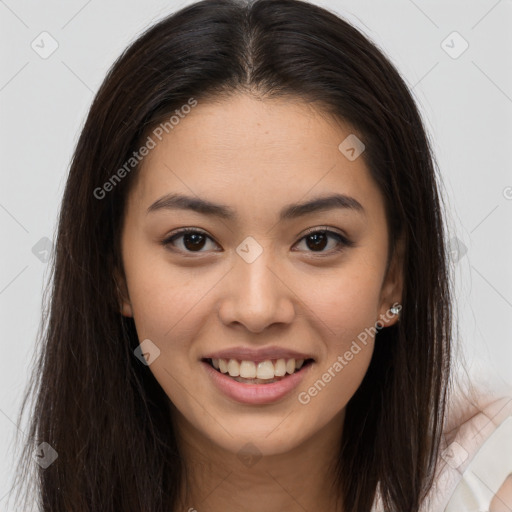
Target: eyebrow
x,y
176,201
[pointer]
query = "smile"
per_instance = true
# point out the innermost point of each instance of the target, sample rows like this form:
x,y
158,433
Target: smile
x,y
263,372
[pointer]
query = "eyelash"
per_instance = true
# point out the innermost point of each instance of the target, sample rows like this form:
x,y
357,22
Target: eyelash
x,y
343,242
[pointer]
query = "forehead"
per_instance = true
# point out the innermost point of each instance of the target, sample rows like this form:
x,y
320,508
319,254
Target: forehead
x,y
254,154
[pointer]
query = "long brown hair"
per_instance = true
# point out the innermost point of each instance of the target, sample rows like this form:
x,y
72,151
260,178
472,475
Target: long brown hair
x,y
95,403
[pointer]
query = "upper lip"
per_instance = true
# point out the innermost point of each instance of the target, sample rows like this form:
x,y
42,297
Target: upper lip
x,y
256,355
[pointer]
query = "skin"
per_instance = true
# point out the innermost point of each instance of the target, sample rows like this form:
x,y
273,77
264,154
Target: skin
x,y
502,502
256,157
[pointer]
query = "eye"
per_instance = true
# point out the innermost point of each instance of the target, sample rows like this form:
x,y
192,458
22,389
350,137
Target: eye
x,y
193,239
318,239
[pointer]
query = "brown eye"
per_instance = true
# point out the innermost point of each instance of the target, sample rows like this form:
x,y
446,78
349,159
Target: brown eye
x,y
317,241
193,240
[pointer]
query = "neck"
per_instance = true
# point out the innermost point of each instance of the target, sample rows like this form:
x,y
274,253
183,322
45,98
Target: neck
x,y
217,479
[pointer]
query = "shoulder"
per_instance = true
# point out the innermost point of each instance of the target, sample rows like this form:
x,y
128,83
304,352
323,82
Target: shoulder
x,y
475,464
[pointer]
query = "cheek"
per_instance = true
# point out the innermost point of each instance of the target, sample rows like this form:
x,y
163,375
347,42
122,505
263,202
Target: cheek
x,y
345,306
342,367
335,381
165,301
344,301
170,308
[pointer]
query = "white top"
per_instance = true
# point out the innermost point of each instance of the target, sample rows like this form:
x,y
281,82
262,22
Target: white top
x,y
475,459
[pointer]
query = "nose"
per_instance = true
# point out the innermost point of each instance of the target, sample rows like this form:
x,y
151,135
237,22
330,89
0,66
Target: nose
x,y
256,296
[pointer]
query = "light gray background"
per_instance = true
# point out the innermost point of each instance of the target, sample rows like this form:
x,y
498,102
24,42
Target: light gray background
x,y
466,102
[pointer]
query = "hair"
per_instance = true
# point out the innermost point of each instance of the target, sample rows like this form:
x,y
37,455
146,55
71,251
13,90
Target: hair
x,y
95,403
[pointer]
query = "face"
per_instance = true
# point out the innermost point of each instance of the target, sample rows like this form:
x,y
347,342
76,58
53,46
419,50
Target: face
x,y
256,280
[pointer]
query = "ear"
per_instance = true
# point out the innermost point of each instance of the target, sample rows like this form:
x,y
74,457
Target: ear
x,y
125,306
392,287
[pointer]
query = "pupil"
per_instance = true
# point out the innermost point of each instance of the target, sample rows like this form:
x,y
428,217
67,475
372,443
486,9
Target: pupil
x,y
197,240
318,237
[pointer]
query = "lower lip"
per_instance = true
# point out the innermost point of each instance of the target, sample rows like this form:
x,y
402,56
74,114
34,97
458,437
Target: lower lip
x,y
255,393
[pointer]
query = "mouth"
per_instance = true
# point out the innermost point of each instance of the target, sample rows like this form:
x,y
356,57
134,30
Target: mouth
x,y
262,372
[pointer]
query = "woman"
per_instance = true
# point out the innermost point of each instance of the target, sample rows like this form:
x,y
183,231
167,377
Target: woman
x,y
251,304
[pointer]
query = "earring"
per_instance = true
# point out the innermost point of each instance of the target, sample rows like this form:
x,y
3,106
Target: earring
x,y
396,309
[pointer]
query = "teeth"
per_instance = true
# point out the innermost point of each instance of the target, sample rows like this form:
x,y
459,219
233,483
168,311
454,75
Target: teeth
x,y
266,370
223,365
247,370
233,368
280,368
